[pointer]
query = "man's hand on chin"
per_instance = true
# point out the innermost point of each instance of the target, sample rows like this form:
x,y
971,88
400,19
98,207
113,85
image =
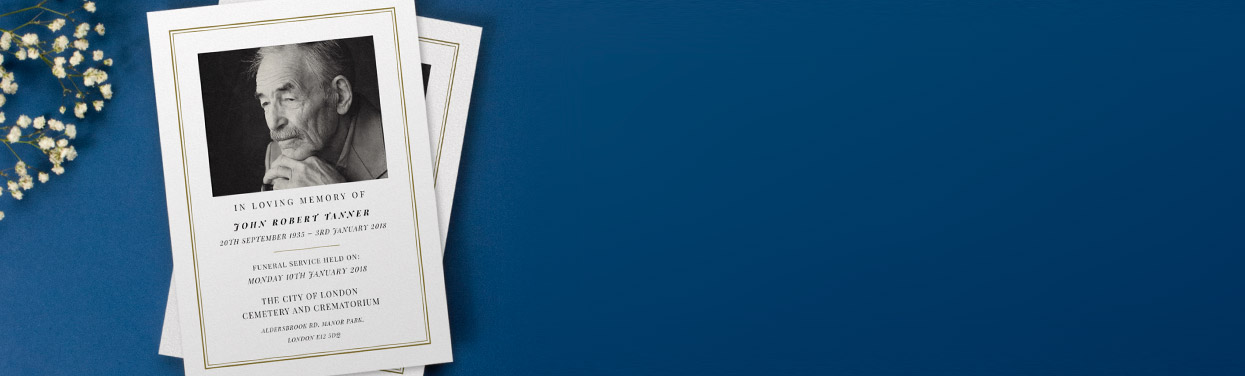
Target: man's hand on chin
x,y
289,173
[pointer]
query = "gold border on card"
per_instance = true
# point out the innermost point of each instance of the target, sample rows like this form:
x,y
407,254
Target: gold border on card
x,y
449,95
190,205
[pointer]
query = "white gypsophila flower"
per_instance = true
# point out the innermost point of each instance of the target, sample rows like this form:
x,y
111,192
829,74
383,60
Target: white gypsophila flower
x,y
15,134
43,177
108,62
69,153
81,44
1,115
97,55
16,194
13,185
30,39
81,30
71,131
59,71
56,24
46,143
62,109
20,168
6,41
89,6
58,169
76,58
105,90
99,29
23,121
94,76
62,155
99,105
8,85
79,110
32,53
59,44
21,54
1,216
55,158
38,123
1,60
62,143
2,100
59,60
56,125
26,182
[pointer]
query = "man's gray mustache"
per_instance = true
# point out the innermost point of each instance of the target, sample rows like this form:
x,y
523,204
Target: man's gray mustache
x,y
282,136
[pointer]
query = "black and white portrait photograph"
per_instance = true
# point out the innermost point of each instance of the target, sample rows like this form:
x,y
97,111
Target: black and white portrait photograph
x,y
291,116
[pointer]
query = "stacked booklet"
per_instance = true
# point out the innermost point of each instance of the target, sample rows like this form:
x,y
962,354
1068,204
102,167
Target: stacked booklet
x,y
310,153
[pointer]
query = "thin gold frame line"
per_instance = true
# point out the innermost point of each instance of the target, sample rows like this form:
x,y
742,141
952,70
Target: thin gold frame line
x,y
284,20
319,354
189,206
449,96
419,253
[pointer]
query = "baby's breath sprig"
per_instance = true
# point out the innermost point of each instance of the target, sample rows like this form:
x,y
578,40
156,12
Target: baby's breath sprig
x,y
62,43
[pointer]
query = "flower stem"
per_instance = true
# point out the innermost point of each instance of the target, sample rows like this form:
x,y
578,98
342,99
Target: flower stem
x,y
36,6
19,158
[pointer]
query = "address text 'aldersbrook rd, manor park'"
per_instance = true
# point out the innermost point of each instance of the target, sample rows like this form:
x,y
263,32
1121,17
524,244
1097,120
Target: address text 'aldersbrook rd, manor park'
x,y
306,217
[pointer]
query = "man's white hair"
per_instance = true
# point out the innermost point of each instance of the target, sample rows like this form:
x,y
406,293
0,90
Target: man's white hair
x,y
323,60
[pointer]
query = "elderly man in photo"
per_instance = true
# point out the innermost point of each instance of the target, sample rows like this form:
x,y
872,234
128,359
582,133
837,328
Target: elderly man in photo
x,y
322,132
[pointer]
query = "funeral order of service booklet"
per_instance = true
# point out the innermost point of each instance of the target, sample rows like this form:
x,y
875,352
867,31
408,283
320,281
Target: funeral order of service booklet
x,y
448,52
328,261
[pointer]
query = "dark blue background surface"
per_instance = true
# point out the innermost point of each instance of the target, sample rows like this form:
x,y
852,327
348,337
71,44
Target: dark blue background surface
x,y
740,188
